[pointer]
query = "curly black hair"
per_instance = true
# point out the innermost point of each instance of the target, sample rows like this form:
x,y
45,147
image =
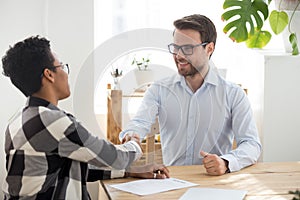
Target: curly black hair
x,y
25,61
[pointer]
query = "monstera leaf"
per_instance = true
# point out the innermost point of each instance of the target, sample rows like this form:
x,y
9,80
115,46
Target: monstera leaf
x,y
259,39
241,13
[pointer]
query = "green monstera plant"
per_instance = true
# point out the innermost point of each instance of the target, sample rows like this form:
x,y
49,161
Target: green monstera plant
x,y
245,20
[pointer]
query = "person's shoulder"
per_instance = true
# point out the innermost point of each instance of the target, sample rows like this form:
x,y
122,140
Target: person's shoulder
x,y
234,90
49,114
167,81
229,84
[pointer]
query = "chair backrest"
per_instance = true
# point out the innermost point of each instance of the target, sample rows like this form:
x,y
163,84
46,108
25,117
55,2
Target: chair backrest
x,y
153,149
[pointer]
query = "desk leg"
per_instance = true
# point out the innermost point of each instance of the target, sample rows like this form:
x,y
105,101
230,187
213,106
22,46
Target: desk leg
x,y
103,193
93,189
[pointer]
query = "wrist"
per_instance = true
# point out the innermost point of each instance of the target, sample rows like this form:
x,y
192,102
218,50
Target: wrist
x,y
226,166
126,174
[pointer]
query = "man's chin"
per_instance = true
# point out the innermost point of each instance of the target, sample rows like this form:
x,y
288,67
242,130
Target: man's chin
x,y
183,73
188,73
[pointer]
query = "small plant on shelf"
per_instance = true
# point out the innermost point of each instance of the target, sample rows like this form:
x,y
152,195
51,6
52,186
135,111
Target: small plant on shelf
x,y
142,64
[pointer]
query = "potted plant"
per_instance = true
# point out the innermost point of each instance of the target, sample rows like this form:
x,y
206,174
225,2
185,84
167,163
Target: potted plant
x,y
143,74
288,10
141,64
255,13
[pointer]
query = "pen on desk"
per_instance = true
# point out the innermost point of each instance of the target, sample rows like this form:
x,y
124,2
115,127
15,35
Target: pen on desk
x,y
162,172
159,174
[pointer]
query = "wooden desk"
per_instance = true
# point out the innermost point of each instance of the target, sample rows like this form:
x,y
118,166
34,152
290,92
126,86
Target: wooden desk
x,y
262,181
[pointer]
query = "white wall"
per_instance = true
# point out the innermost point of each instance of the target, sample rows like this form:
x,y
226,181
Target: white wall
x,y
69,26
281,113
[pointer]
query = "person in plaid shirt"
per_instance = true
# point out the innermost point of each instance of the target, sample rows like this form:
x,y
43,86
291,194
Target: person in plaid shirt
x,y
48,151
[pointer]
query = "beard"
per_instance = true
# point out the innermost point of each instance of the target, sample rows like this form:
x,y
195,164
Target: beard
x,y
188,72
186,68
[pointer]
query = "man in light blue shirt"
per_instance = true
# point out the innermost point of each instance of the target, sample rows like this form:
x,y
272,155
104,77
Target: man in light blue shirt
x,y
199,113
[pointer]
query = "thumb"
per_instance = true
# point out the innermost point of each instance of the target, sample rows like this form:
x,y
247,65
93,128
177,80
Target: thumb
x,y
203,153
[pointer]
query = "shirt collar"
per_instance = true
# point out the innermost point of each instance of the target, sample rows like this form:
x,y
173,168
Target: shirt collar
x,y
35,102
212,76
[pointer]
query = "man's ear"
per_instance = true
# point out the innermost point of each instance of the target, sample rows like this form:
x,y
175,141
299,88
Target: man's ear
x,y
48,74
210,48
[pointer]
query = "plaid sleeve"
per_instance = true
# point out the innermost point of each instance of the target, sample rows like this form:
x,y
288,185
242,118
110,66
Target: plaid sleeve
x,y
76,143
102,174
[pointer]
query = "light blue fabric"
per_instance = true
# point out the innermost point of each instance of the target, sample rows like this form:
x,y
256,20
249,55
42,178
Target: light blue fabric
x,y
207,120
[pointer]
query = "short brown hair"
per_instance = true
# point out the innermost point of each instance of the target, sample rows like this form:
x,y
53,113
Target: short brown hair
x,y
199,23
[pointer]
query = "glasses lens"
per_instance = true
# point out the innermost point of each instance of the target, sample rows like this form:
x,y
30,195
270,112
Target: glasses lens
x,y
173,49
187,49
65,67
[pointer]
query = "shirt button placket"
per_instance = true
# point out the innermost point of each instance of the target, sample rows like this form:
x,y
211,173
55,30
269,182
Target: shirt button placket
x,y
191,131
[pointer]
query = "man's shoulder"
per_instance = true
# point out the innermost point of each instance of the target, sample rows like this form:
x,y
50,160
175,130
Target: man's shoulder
x,y
168,81
233,89
229,84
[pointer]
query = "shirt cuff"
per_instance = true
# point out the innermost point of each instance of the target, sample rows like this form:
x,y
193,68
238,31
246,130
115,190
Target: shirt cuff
x,y
139,151
233,164
117,173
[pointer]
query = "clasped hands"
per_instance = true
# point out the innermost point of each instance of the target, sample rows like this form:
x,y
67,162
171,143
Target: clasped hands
x,y
154,171
132,137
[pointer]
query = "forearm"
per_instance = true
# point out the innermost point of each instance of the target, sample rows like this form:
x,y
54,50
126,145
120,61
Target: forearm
x,y
98,152
146,115
244,155
119,157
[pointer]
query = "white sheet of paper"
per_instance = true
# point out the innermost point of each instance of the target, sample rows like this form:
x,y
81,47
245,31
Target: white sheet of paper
x,y
152,186
213,194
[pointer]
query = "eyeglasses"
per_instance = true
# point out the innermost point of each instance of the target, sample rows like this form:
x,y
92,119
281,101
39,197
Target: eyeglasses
x,y
186,49
64,67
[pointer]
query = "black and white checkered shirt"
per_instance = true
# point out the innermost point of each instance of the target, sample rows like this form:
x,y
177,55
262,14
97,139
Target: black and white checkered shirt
x,y
48,152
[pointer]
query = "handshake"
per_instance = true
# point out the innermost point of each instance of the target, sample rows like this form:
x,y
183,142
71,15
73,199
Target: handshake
x,y
132,137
